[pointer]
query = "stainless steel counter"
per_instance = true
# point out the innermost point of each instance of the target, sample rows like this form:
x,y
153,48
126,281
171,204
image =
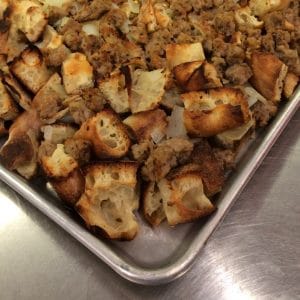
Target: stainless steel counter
x,y
254,254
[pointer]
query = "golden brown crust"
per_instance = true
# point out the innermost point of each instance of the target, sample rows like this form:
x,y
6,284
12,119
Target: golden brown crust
x,y
204,116
107,134
290,84
269,73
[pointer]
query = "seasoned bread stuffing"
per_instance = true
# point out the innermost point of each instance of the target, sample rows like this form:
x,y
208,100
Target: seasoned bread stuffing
x,y
115,102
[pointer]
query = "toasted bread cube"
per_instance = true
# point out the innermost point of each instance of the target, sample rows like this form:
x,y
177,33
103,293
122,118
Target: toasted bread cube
x,y
70,188
115,91
260,8
197,75
107,134
269,73
77,73
29,18
109,199
17,92
208,114
290,84
49,100
20,150
59,164
244,17
147,16
31,70
148,125
153,208
8,108
184,199
57,133
176,127
178,54
91,28
147,89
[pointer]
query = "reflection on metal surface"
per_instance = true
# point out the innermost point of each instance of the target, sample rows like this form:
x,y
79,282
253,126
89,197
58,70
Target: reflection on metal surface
x,y
9,212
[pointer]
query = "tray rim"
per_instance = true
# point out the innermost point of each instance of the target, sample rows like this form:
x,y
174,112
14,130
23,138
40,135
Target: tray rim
x,y
170,272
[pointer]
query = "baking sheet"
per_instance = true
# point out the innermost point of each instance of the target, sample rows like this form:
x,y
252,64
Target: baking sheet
x,y
162,254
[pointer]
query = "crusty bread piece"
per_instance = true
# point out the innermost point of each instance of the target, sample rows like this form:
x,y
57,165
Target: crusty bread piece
x,y
269,73
153,208
262,7
29,18
31,70
109,199
196,76
20,150
57,133
16,91
178,54
148,125
70,188
115,91
49,100
147,16
8,108
107,134
244,17
59,164
147,89
211,113
290,84
77,73
183,198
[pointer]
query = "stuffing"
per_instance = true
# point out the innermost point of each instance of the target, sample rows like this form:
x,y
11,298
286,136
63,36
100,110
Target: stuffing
x,y
57,133
109,199
107,135
211,113
49,100
269,73
181,53
244,17
31,70
148,125
79,149
183,198
20,150
59,164
141,151
17,92
290,84
8,108
147,89
115,91
77,73
165,156
176,127
260,8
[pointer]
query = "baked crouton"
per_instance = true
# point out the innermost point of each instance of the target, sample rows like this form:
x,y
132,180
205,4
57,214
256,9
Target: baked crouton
x,y
290,84
8,108
49,100
260,8
178,54
115,91
148,125
31,70
29,18
59,164
107,135
211,113
77,73
196,76
147,89
109,199
20,150
269,73
244,18
183,198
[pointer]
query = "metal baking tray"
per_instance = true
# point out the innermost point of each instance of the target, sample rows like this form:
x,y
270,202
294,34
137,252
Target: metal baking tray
x,y
157,255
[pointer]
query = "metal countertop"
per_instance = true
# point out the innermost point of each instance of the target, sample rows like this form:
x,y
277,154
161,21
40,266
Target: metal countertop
x,y
254,254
